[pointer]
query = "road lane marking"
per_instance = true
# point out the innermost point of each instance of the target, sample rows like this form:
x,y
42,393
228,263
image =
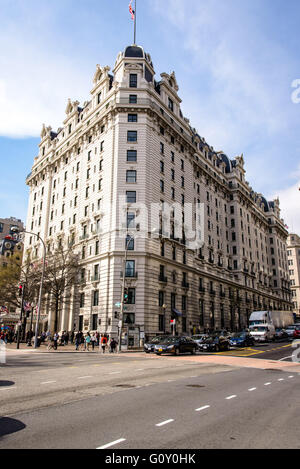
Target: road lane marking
x,y
84,377
231,397
252,389
267,384
281,379
291,377
7,389
203,408
113,443
164,423
115,373
49,382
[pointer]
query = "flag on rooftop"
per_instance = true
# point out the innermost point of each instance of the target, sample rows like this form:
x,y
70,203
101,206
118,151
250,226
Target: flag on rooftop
x,y
131,10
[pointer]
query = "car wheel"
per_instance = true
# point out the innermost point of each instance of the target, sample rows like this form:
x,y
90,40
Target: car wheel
x,y
177,351
194,351
228,347
217,349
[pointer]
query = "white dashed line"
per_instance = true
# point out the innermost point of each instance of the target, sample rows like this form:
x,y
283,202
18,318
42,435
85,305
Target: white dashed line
x,y
203,408
49,382
281,379
113,443
164,423
84,377
115,373
230,397
291,376
252,389
7,389
268,384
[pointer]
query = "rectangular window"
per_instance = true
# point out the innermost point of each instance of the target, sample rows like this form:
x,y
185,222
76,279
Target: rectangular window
x,y
133,80
132,118
131,220
133,99
96,298
131,296
130,269
171,105
95,322
132,136
131,176
129,243
131,197
132,156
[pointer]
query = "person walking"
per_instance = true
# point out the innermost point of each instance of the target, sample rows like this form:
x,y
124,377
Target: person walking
x,y
93,341
103,343
88,342
113,346
78,340
55,340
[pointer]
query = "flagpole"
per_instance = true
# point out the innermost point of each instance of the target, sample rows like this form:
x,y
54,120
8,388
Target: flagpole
x,y
134,42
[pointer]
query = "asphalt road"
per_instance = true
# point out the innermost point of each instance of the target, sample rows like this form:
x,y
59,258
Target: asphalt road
x,y
144,402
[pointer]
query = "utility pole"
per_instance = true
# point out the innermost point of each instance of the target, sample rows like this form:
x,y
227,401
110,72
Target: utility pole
x,y
21,317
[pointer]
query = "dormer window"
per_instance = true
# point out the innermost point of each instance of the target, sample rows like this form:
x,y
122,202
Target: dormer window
x,y
43,151
70,128
133,80
99,98
171,105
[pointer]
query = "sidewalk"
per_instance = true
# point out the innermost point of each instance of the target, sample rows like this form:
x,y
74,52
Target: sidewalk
x,y
10,348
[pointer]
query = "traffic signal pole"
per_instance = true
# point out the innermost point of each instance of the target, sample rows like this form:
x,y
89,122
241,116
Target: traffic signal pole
x,y
122,298
21,318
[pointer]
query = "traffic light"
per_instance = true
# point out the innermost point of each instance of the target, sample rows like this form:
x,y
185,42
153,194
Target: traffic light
x,y
126,296
20,290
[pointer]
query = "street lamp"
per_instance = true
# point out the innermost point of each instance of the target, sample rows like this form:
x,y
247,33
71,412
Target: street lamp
x,y
15,229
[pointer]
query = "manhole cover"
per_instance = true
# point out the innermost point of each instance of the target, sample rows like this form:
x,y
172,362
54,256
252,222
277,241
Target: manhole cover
x,y
195,386
124,386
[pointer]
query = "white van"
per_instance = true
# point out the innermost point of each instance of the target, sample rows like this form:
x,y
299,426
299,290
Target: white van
x,y
263,333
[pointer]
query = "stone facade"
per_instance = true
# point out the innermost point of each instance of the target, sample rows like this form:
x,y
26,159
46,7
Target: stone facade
x,y
294,270
131,140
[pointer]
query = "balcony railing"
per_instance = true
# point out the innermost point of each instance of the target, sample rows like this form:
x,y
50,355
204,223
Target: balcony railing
x,y
185,285
201,289
95,278
129,274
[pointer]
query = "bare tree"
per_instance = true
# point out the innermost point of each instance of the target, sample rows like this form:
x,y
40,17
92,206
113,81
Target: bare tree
x,y
61,275
12,274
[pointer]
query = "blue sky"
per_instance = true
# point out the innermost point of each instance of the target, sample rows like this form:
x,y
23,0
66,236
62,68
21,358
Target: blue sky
x,y
235,62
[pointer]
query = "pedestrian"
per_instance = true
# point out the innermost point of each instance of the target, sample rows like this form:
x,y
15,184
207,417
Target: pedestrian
x,y
67,338
93,340
103,343
88,342
113,346
55,340
77,340
97,339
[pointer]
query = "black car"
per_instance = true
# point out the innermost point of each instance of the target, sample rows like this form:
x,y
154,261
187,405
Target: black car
x,y
176,345
281,334
215,343
150,345
242,339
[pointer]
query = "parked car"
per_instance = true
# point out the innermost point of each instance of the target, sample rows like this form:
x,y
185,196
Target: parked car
x,y
242,339
290,331
149,346
199,339
297,332
281,334
223,333
215,343
176,345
